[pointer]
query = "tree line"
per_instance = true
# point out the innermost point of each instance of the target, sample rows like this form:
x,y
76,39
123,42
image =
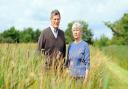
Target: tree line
x,y
13,35
119,29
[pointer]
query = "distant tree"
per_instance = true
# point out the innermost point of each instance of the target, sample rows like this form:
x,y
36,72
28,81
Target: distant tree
x,y
27,35
87,34
103,41
68,33
1,38
36,35
10,35
120,30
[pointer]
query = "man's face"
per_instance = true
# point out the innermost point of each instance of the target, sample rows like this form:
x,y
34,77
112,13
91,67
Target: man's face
x,y
76,33
55,21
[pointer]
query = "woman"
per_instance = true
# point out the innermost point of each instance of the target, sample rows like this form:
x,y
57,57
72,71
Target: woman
x,y
78,57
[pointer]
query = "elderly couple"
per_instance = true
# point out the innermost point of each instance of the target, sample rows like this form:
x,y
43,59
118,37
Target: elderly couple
x,y
52,41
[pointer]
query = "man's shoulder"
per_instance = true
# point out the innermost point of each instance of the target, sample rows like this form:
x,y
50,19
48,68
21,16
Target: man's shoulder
x,y
61,31
46,29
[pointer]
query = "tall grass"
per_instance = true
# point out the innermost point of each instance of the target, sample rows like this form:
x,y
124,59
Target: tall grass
x,y
118,54
117,66
22,68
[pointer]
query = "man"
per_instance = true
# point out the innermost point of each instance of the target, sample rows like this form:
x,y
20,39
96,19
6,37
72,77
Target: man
x,y
52,40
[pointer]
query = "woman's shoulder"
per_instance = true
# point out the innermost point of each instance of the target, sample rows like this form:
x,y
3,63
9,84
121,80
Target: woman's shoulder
x,y
84,43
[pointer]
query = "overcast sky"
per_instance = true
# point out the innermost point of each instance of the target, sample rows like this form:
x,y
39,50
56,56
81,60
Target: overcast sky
x,y
36,13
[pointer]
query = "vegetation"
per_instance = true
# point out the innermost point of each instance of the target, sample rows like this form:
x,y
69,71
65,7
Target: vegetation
x,y
118,54
103,41
120,30
12,35
20,67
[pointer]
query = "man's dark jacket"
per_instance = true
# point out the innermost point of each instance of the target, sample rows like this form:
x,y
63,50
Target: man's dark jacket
x,y
49,43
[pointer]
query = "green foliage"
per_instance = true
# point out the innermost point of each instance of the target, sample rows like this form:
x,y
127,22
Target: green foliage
x,y
87,34
27,35
103,41
68,33
120,30
36,35
1,38
12,35
118,54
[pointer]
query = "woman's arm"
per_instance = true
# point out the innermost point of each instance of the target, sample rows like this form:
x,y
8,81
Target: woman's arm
x,y
86,76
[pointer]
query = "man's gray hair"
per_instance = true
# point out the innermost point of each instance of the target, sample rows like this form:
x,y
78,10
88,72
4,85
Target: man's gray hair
x,y
55,12
77,25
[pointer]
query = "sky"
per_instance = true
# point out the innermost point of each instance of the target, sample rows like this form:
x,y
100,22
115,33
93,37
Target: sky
x,y
36,13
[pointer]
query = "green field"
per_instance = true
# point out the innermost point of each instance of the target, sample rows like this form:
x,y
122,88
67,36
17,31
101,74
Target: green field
x,y
21,68
118,65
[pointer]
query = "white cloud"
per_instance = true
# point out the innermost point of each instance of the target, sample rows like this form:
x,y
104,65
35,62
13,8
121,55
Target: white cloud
x,y
35,13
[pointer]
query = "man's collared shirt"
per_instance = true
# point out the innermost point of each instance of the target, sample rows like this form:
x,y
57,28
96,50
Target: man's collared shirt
x,y
54,31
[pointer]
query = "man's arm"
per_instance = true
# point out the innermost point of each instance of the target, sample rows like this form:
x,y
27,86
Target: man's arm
x,y
41,42
64,49
86,75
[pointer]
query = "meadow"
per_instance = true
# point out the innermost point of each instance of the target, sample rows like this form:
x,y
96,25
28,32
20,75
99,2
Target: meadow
x,y
22,68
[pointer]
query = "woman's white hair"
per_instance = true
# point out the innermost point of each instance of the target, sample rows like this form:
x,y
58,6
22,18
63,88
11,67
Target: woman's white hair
x,y
77,25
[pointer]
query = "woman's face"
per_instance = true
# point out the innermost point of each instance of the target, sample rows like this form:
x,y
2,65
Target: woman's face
x,y
76,33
